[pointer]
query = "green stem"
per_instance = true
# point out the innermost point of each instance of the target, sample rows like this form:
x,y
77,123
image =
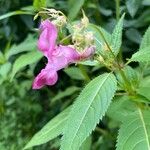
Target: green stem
x,y
117,9
128,84
103,37
129,87
104,132
101,131
64,39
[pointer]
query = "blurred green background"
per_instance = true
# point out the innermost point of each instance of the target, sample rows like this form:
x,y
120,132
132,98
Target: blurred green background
x,y
24,111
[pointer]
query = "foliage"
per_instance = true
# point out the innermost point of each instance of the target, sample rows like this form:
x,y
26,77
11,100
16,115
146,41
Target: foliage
x,y
97,104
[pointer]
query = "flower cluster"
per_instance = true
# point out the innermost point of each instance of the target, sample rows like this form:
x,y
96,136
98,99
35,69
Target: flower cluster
x,y
58,56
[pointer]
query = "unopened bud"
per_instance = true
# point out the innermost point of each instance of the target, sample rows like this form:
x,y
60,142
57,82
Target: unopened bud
x,y
89,38
60,21
57,17
100,58
79,41
77,38
84,20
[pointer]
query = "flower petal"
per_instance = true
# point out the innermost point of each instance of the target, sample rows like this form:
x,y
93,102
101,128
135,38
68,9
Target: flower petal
x,y
47,39
45,77
62,56
69,53
88,52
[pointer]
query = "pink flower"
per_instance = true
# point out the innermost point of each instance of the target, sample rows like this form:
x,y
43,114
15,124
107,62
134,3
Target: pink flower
x,y
58,56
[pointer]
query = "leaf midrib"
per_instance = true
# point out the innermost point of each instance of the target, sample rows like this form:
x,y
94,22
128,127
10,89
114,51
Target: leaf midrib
x,y
88,109
144,126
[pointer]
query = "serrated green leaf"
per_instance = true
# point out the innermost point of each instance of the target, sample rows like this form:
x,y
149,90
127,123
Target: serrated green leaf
x,y
146,40
50,131
116,38
98,39
88,109
134,132
74,8
133,6
145,46
120,108
142,56
24,60
131,75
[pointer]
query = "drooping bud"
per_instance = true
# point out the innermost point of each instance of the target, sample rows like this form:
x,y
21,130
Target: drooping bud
x,y
100,59
79,41
89,38
56,17
84,20
60,21
81,38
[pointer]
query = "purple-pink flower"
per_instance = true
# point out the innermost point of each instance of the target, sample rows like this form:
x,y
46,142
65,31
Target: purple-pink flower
x,y
58,56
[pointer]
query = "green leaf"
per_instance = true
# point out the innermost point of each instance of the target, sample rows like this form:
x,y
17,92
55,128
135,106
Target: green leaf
x,y
116,38
120,108
146,40
142,56
24,60
74,8
50,131
86,145
88,109
144,91
69,91
27,45
145,82
38,4
99,41
133,6
89,62
133,35
134,132
2,58
17,12
74,73
144,87
132,76
5,69
146,2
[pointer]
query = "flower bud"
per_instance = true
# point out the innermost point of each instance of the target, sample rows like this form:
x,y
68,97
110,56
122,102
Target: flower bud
x,y
56,17
100,58
89,38
84,20
60,21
